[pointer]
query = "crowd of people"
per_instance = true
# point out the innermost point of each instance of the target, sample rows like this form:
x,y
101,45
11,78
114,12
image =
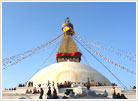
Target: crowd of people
x,y
21,85
10,89
113,84
34,91
91,83
117,96
30,84
134,87
88,84
49,93
66,84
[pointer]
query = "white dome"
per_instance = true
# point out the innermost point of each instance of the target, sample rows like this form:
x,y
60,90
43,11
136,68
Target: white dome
x,y
68,71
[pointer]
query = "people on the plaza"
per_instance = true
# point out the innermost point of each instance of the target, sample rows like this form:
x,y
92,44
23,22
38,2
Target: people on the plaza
x,y
88,85
39,85
41,93
92,82
123,96
21,85
30,84
114,96
61,85
30,91
118,96
105,93
71,94
53,83
64,85
34,90
58,85
113,84
54,93
49,96
27,91
48,83
113,93
134,87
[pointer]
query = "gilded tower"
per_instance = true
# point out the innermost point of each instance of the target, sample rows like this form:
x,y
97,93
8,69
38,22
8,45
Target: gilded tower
x,y
68,50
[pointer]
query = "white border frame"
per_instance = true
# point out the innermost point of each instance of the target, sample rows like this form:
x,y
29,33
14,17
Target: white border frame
x,y
63,1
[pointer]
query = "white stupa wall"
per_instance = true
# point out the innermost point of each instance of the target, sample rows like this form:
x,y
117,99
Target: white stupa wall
x,y
68,71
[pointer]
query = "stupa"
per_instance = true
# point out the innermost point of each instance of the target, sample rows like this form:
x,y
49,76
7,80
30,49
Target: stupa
x,y
68,66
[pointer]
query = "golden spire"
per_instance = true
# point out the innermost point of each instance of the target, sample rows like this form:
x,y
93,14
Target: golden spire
x,y
68,50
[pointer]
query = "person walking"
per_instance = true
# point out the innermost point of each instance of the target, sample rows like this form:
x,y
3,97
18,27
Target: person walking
x,y
41,93
49,93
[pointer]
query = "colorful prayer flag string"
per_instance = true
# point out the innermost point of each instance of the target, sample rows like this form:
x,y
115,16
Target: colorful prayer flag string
x,y
112,51
106,59
121,50
17,58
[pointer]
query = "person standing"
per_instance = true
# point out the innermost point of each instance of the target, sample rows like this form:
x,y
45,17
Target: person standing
x,y
54,93
105,93
48,83
88,84
49,93
114,93
53,83
41,93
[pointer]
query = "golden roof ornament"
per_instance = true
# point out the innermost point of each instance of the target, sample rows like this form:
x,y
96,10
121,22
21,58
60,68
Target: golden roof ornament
x,y
67,26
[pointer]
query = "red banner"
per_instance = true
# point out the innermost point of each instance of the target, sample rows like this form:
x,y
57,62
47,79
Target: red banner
x,y
76,54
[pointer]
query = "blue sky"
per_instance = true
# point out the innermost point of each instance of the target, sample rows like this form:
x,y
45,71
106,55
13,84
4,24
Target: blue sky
x,y
28,25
